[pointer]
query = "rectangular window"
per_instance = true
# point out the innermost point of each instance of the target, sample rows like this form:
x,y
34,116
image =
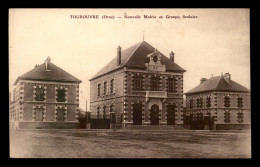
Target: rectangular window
x,y
38,114
227,101
170,85
39,95
98,112
200,103
199,116
191,103
155,84
60,114
227,117
240,102
104,112
111,108
99,85
61,96
208,102
240,117
138,82
105,88
112,86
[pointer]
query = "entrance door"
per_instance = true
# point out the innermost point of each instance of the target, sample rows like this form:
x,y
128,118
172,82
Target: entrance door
x,y
155,115
137,114
170,115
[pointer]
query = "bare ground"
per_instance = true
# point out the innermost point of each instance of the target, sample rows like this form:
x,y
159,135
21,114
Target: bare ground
x,y
129,144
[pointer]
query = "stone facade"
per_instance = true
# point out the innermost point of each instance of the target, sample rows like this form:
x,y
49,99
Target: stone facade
x,y
25,105
219,109
46,103
143,106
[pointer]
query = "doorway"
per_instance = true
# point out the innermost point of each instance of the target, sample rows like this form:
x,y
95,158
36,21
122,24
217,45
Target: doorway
x,y
170,115
137,114
155,115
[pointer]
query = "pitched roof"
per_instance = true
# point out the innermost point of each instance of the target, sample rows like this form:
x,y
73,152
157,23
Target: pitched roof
x,y
55,74
218,83
135,57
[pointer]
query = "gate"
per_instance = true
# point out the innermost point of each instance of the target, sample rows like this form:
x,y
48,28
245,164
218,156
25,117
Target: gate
x,y
100,123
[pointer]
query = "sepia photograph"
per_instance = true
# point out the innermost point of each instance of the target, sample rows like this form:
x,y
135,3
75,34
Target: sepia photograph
x,y
129,83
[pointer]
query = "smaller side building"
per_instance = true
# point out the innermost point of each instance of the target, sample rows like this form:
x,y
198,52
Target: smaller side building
x,y
218,103
45,97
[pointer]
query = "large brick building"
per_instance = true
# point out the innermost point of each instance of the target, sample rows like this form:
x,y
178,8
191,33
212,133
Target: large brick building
x,y
140,86
218,103
45,97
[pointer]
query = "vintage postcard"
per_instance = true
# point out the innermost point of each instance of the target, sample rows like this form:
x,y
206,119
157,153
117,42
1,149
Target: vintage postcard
x,y
129,83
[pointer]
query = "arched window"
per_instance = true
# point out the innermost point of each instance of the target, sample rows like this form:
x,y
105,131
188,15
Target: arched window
x,y
98,112
99,87
104,112
105,87
111,86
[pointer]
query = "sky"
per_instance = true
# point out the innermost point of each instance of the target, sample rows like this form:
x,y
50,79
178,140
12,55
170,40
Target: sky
x,y
217,41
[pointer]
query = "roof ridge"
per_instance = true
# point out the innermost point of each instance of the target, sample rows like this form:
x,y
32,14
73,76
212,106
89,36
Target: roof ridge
x,y
218,81
133,52
64,71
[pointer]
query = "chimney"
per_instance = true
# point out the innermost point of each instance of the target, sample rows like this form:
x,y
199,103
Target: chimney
x,y
47,61
172,56
227,77
118,55
202,80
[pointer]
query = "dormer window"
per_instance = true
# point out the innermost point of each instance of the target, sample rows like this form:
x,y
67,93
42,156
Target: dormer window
x,y
155,58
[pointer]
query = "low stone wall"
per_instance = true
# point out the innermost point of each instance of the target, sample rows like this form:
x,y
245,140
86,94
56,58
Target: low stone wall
x,y
233,126
45,125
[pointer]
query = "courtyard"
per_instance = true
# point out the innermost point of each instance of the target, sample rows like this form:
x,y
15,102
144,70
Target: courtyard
x,y
80,143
